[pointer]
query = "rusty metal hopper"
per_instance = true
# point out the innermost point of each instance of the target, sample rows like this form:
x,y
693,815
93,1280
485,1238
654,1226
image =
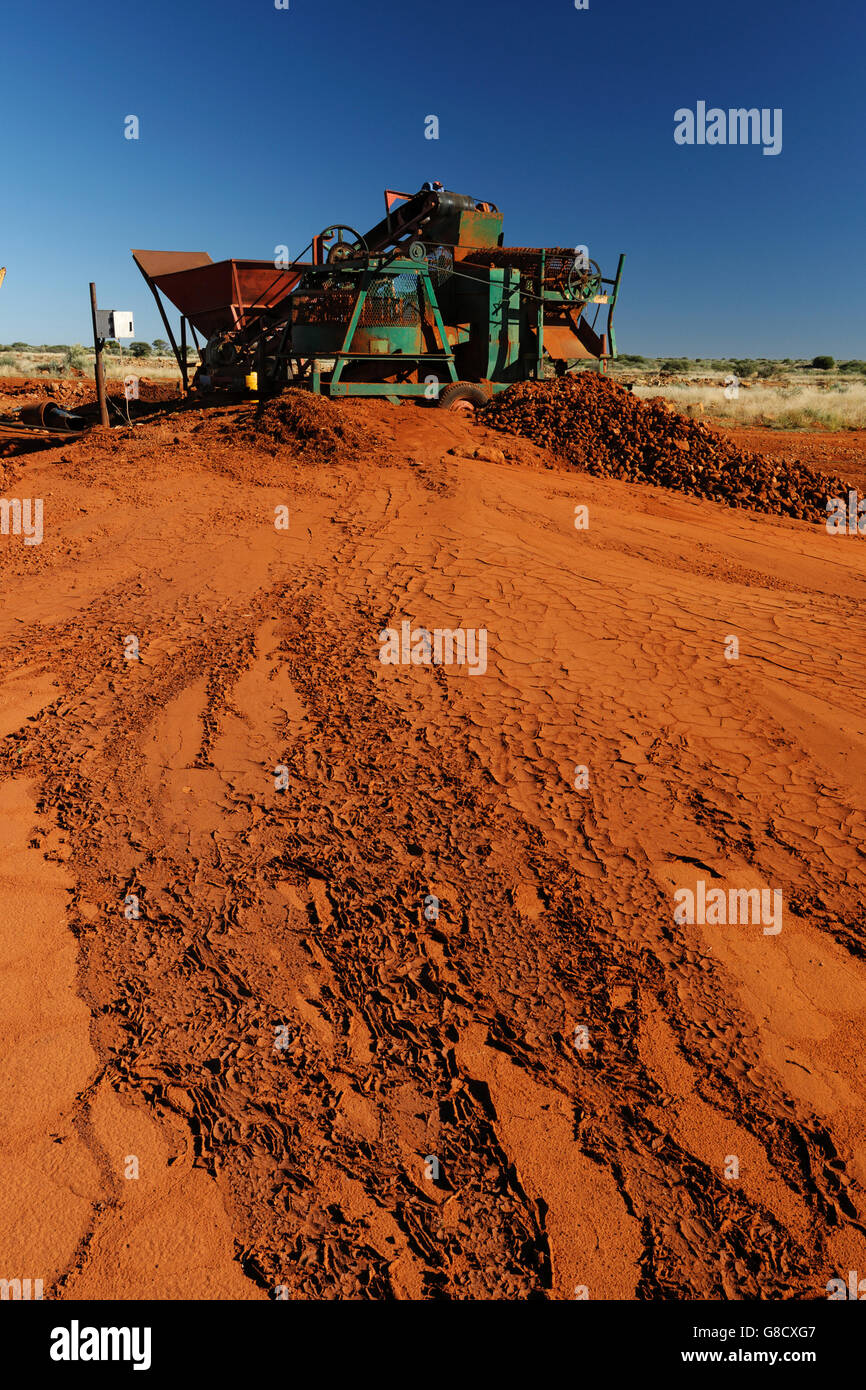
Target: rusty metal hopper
x,y
215,296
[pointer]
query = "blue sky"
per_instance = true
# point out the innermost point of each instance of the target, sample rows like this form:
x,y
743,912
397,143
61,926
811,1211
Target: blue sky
x,y
260,126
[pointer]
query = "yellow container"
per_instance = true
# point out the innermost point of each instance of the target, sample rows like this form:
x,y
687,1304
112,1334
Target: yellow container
x,y
252,381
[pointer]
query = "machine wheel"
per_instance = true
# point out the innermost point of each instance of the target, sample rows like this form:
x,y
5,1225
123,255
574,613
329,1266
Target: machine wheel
x,y
463,397
352,247
417,251
584,281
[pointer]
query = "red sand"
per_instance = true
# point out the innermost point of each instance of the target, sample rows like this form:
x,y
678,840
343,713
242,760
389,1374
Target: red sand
x,y
296,916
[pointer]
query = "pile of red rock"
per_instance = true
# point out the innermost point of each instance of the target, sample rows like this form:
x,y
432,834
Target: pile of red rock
x,y
598,425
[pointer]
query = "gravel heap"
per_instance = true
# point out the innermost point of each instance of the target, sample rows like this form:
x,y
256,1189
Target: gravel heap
x,y
310,425
598,425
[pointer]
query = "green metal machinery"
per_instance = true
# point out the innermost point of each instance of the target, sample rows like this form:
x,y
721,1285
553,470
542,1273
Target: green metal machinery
x,y
427,303
430,303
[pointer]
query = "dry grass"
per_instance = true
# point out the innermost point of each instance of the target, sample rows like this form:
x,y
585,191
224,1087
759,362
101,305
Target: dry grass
x,y
837,406
51,366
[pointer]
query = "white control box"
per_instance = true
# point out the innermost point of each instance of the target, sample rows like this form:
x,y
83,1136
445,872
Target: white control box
x,y
120,324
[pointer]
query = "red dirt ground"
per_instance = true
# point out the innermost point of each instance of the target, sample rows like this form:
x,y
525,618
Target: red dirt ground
x,y
282,1042
833,451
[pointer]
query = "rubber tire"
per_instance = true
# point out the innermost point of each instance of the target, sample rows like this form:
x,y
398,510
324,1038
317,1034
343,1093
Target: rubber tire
x,y
463,396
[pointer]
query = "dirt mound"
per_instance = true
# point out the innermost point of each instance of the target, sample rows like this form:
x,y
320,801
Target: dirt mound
x,y
598,425
312,425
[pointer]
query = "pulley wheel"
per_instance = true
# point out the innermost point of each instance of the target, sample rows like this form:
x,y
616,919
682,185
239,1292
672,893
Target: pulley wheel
x,y
346,247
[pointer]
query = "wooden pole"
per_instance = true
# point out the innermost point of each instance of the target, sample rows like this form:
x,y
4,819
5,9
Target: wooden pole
x,y
100,370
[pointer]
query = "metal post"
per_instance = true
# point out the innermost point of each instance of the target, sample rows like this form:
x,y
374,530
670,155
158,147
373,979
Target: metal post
x,y
184,369
539,361
610,333
171,338
99,370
